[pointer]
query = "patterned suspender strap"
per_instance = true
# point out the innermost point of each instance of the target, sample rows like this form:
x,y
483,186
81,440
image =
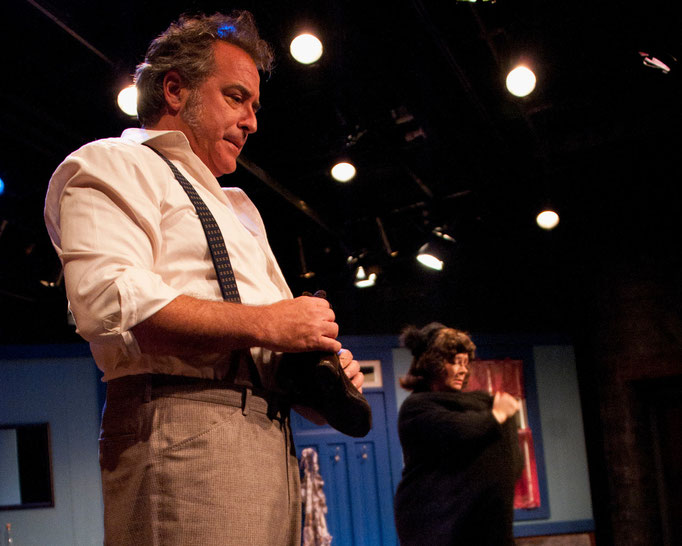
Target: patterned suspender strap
x,y
216,243
221,259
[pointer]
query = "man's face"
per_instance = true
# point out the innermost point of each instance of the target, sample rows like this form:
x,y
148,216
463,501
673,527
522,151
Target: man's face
x,y
218,115
455,373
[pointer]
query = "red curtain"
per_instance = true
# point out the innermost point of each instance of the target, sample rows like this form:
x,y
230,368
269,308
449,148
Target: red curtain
x,y
527,492
507,376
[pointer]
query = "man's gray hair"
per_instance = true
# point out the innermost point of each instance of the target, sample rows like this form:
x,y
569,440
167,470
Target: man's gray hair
x,y
186,46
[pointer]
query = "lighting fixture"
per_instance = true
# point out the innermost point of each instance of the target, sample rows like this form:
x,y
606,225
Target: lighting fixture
x,y
433,253
442,234
430,257
57,282
2,186
127,100
343,171
306,48
521,81
547,219
651,61
363,279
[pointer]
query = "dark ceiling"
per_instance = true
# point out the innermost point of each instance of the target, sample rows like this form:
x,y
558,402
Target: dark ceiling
x,y
412,92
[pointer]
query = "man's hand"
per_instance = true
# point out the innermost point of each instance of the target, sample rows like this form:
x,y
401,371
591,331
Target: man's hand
x,y
352,368
302,324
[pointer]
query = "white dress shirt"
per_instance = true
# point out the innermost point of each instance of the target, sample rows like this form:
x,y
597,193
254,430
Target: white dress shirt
x,y
131,242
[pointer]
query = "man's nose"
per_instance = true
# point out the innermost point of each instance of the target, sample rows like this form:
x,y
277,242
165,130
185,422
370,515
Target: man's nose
x,y
249,123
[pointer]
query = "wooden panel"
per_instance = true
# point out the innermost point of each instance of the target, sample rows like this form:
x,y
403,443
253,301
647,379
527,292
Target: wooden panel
x,y
357,478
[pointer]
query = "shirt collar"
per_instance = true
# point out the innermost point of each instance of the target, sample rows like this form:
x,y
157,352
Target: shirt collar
x,y
165,139
175,146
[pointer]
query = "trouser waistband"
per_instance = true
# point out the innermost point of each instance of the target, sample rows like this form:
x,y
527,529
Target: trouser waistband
x,y
146,387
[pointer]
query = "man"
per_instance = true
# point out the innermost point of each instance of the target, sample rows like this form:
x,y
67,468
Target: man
x,y
195,444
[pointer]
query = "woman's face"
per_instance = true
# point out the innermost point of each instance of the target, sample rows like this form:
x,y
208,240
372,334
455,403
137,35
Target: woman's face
x,y
455,374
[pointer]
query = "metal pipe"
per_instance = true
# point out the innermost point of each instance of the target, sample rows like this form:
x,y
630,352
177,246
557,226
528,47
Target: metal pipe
x,y
71,32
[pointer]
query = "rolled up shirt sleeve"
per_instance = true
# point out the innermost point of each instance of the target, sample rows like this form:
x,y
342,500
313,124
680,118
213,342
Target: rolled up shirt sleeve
x,y
105,217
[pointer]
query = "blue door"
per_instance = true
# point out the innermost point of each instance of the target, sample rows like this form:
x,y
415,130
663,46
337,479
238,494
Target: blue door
x,y
358,483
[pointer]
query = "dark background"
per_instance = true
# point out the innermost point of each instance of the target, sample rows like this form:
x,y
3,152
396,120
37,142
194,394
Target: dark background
x,y
413,92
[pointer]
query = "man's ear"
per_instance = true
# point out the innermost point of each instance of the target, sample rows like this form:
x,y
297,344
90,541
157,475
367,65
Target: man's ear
x,y
174,91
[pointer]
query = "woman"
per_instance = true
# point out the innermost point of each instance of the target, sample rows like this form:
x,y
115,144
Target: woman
x,y
460,449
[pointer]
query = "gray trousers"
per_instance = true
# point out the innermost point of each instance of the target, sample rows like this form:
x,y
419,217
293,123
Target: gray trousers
x,y
196,463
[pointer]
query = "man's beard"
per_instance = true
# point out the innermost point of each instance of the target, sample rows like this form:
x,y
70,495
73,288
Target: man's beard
x,y
192,111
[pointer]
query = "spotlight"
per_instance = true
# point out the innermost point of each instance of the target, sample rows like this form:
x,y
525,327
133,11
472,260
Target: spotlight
x,y
430,257
433,253
306,48
547,219
127,100
521,81
364,280
343,171
442,234
57,282
660,61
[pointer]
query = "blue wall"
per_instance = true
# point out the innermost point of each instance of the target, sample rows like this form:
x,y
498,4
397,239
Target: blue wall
x,y
562,431
61,390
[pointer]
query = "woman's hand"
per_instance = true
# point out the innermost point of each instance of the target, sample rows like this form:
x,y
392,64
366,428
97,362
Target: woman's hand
x,y
504,406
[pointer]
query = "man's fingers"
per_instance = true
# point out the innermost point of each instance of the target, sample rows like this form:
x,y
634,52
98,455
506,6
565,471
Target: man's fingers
x,y
358,381
330,329
352,368
312,300
345,357
329,345
303,324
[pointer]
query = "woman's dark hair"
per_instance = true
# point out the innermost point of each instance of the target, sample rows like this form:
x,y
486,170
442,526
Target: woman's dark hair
x,y
432,346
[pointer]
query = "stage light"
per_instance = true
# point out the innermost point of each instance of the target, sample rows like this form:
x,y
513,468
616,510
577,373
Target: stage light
x,y
127,100
662,62
57,282
434,252
521,81
343,171
2,186
430,257
306,48
364,280
547,219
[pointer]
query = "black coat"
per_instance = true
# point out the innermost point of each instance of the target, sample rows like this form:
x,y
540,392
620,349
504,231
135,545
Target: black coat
x,y
461,466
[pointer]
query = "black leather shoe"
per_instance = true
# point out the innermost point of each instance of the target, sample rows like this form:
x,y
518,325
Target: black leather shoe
x,y
317,380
